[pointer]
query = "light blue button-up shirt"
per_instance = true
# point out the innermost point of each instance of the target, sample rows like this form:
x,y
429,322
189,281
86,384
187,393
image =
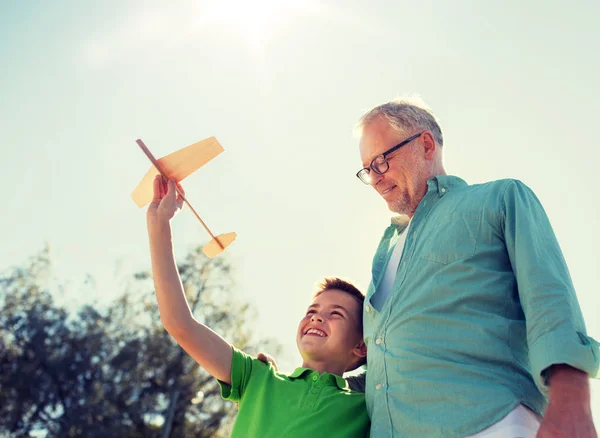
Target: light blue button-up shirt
x,y
482,304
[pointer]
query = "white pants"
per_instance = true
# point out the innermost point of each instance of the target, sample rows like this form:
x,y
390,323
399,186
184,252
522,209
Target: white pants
x,y
521,422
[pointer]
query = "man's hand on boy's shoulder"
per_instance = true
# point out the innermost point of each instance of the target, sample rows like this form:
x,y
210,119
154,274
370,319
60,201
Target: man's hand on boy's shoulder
x,y
357,382
268,359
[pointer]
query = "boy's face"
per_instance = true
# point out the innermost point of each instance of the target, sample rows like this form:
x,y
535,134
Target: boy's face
x,y
330,329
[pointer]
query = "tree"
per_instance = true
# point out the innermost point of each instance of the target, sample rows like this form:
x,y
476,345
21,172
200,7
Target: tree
x,y
114,371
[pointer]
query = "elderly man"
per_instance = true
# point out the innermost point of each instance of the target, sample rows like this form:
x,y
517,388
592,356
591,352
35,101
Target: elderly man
x,y
471,321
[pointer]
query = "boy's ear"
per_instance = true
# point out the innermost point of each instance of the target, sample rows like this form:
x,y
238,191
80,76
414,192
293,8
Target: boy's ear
x,y
360,350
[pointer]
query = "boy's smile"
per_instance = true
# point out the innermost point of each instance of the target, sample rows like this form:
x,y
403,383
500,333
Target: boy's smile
x,y
315,332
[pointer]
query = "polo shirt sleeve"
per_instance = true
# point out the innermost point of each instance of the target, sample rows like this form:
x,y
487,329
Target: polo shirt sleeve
x,y
556,331
241,370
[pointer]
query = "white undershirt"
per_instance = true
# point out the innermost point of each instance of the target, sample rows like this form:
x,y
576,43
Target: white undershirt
x,y
389,277
521,422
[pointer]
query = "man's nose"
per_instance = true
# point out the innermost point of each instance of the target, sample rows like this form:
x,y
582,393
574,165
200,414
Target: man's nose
x,y
375,178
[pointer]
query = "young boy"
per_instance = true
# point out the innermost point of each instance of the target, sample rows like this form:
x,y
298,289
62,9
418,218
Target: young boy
x,y
314,400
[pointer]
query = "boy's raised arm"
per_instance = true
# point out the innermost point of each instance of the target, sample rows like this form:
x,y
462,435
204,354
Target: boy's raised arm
x,y
207,348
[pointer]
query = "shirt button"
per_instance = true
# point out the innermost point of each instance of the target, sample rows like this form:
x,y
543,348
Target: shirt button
x,y
378,387
378,341
368,308
443,190
315,378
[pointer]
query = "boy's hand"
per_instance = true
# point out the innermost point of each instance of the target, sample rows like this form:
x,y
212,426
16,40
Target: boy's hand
x,y
166,202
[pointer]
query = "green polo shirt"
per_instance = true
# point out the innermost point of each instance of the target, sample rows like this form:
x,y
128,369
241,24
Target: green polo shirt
x,y
302,404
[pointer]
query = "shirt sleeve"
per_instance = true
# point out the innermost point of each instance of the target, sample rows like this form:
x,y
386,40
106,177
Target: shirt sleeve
x,y
241,371
556,331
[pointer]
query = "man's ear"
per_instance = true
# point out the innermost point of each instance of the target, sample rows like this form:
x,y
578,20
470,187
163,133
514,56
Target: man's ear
x,y
428,145
360,350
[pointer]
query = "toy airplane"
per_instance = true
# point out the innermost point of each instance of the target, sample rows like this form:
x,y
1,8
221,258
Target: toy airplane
x,y
178,165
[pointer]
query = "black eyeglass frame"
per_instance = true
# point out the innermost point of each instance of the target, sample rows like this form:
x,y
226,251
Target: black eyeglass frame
x,y
367,170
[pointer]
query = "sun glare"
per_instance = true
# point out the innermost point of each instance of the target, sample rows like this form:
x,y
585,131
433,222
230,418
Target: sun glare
x,y
254,21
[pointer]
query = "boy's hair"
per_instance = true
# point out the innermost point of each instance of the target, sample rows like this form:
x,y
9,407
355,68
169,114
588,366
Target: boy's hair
x,y
329,283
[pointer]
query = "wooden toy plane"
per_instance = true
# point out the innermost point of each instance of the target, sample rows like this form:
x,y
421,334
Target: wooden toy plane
x,y
178,165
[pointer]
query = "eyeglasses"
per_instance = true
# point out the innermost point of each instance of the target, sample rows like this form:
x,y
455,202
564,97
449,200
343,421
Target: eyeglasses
x,y
380,164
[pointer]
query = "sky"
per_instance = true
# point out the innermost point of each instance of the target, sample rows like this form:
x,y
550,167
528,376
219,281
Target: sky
x,y
281,86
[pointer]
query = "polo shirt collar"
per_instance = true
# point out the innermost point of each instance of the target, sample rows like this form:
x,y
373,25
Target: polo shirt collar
x,y
339,381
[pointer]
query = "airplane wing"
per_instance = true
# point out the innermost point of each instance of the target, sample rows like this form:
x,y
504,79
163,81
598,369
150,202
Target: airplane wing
x,y
177,165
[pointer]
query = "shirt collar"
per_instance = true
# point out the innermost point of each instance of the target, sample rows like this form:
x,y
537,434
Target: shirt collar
x,y
339,381
441,184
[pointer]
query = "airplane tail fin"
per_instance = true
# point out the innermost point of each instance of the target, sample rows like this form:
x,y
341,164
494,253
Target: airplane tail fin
x,y
213,248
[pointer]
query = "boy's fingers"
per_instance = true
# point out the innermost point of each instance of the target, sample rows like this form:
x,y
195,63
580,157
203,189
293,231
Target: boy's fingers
x,y
174,186
156,189
171,188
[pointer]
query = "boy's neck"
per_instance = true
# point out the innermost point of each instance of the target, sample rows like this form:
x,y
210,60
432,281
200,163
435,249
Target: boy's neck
x,y
324,367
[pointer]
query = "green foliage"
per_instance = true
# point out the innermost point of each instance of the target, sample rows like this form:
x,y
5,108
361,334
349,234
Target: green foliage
x,y
113,371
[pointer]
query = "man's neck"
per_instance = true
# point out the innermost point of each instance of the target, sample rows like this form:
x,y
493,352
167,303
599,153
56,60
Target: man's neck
x,y
435,172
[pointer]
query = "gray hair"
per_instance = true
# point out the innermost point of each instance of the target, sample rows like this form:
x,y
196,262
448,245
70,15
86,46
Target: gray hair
x,y
405,114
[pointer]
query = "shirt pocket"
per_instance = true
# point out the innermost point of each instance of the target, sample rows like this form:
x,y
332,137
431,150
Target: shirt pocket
x,y
450,239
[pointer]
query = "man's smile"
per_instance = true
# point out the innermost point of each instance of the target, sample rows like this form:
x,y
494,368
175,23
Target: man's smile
x,y
386,191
